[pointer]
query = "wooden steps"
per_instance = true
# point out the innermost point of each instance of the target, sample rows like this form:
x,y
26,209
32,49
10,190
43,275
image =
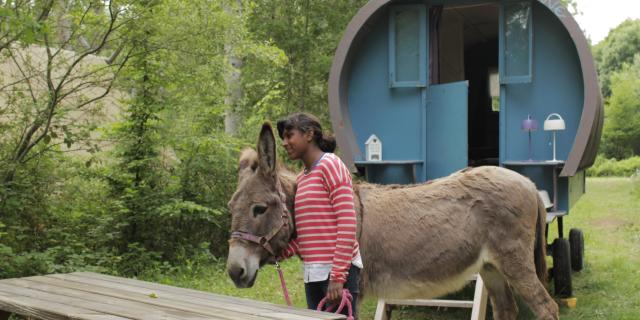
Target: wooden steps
x,y
478,305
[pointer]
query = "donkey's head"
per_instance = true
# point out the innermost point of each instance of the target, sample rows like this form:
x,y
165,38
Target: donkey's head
x,y
260,219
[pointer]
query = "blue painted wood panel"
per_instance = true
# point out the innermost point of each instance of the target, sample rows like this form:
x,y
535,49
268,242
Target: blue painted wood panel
x,y
393,114
543,178
447,138
556,87
398,116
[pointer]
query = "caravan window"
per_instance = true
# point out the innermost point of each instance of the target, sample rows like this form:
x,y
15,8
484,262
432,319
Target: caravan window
x,y
517,42
408,46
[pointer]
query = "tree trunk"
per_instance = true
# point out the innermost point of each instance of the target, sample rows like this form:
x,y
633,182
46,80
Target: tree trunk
x,y
234,95
64,25
232,79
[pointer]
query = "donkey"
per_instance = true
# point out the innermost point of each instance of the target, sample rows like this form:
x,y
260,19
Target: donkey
x,y
416,241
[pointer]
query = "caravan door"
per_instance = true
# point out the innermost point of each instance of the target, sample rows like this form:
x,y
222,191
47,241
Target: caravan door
x,y
446,125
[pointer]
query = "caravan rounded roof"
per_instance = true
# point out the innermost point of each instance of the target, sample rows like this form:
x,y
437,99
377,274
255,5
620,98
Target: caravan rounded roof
x,y
585,147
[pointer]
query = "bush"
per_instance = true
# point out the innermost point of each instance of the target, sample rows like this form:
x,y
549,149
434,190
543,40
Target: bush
x,y
23,264
621,133
55,217
60,214
614,168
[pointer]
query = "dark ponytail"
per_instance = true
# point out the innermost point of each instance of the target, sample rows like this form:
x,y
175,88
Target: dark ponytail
x,y
326,142
306,122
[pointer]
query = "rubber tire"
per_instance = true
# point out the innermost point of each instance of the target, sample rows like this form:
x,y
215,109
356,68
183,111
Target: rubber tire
x,y
576,240
562,268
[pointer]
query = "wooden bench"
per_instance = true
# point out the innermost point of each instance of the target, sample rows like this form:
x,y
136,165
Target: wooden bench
x,y
92,296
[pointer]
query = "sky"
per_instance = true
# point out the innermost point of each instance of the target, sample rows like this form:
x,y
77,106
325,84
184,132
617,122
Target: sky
x,y
600,16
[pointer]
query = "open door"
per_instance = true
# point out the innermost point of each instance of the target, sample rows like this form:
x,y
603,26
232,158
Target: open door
x,y
447,139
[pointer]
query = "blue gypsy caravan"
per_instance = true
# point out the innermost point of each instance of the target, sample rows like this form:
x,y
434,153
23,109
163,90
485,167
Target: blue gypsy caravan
x,y
446,84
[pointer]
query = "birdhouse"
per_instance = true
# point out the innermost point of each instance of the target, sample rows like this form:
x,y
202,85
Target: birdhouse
x,y
373,147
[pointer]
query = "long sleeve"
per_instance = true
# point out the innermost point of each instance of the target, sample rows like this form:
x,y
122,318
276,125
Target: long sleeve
x,y
338,181
291,250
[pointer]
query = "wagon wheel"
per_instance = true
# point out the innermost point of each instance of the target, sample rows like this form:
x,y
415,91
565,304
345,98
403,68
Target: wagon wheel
x,y
576,239
562,267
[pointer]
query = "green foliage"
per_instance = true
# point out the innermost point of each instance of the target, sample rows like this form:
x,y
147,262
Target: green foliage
x,y
22,21
619,48
24,264
621,136
56,220
176,168
141,187
50,95
572,5
25,205
308,32
611,167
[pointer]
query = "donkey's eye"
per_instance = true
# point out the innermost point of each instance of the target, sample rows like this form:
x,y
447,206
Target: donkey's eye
x,y
258,209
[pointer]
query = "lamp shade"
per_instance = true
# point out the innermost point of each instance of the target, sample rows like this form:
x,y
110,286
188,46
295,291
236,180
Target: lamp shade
x,y
554,122
529,124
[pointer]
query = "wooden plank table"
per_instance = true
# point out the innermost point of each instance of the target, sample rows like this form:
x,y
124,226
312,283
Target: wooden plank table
x,y
93,296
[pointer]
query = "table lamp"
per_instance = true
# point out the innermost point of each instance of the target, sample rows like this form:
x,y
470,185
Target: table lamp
x,y
554,122
529,125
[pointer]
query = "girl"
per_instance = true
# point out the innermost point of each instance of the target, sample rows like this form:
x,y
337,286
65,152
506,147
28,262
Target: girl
x,y
325,216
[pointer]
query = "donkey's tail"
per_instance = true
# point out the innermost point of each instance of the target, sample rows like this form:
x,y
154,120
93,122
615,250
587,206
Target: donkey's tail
x,y
540,251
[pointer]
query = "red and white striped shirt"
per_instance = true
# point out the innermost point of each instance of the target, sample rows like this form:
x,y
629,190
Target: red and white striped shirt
x,y
325,218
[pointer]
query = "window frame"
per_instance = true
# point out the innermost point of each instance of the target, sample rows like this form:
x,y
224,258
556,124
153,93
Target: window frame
x,y
504,78
423,57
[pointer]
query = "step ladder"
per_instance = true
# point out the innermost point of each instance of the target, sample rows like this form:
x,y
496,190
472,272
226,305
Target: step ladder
x,y
478,305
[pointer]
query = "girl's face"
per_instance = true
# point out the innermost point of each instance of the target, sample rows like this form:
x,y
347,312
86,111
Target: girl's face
x,y
296,142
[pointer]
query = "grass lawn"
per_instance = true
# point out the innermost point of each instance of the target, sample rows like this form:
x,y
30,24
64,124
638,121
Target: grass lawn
x,y
607,288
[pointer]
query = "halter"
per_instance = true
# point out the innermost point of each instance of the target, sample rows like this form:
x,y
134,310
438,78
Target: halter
x,y
263,241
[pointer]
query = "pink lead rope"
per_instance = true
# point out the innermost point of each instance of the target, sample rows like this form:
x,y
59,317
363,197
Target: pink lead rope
x,y
347,298
345,302
284,285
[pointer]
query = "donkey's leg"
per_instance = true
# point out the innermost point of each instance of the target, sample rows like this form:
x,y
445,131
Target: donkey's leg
x,y
502,301
519,271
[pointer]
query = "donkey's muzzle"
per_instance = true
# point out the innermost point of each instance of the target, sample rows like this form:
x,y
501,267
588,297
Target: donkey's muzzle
x,y
241,278
242,265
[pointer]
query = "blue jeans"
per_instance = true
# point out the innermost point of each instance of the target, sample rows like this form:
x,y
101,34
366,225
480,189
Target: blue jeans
x,y
315,291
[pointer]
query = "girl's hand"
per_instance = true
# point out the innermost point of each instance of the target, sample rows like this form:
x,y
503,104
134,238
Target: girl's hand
x,y
334,291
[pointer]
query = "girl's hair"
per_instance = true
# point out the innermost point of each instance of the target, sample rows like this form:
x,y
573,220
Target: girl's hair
x,y
305,122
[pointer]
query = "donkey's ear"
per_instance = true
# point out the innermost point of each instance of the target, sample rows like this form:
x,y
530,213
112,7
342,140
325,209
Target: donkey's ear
x,y
267,149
